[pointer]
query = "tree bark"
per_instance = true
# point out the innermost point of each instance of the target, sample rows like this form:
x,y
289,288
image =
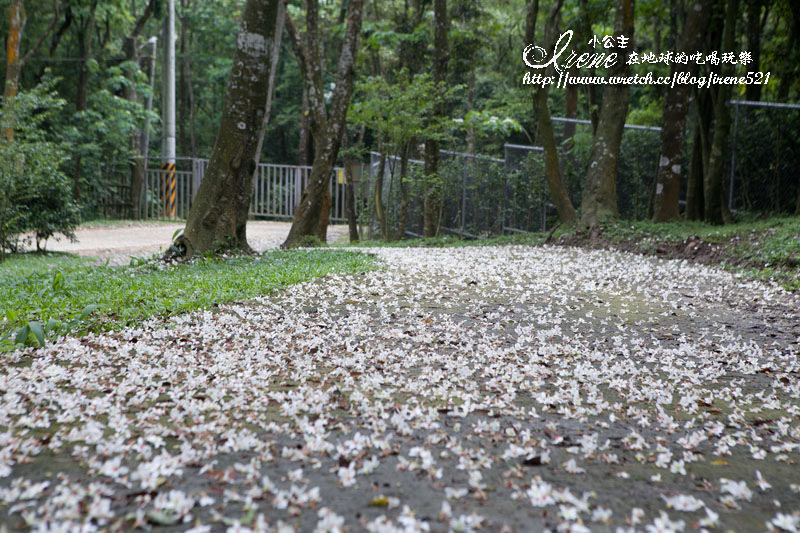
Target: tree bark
x,y
218,217
14,61
432,198
676,106
715,207
599,201
328,127
16,26
404,192
755,25
85,35
545,136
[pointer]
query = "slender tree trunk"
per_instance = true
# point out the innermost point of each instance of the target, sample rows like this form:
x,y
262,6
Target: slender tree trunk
x,y
404,192
218,216
328,127
600,186
676,106
14,60
350,195
714,209
432,199
754,26
380,214
16,26
85,36
138,164
546,137
694,185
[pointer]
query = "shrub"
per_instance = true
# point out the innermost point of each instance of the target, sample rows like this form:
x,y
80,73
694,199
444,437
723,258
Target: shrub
x,y
35,195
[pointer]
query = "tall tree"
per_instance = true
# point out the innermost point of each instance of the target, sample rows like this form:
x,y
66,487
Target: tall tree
x,y
755,26
327,126
15,62
599,201
716,209
218,216
432,199
85,37
131,49
676,106
545,136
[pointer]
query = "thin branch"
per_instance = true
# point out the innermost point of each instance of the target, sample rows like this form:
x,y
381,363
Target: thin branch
x,y
42,37
139,26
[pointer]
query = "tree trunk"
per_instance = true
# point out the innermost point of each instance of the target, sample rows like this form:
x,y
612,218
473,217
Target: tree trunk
x,y
432,199
714,209
404,192
380,214
138,164
599,200
14,61
754,26
545,136
218,217
305,137
328,127
676,106
85,45
16,25
694,185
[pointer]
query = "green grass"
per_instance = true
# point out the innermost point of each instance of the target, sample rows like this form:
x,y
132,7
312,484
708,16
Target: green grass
x,y
54,290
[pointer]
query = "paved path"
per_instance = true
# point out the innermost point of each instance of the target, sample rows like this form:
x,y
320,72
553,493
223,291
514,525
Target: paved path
x,y
507,389
121,242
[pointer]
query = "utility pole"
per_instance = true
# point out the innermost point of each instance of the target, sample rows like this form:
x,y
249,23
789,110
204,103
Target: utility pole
x,y
168,153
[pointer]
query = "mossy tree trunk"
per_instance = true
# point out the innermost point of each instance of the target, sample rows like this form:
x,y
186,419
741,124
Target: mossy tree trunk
x,y
599,200
327,127
676,106
218,217
545,135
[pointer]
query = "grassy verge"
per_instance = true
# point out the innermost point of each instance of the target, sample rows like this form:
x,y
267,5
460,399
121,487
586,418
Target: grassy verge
x,y
766,249
54,294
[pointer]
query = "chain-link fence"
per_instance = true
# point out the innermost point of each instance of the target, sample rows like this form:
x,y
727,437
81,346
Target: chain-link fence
x,y
764,166
486,195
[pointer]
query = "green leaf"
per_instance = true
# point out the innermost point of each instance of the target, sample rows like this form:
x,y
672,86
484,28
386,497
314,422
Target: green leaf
x,y
38,332
23,332
88,310
52,325
177,232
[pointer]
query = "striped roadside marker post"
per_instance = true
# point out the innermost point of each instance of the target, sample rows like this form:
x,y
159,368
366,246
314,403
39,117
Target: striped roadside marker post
x,y
168,188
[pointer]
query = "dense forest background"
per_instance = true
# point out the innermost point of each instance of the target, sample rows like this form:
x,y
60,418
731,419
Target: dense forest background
x,y
85,68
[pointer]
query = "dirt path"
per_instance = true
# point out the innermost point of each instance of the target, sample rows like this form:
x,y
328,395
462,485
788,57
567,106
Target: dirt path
x,y
135,239
508,389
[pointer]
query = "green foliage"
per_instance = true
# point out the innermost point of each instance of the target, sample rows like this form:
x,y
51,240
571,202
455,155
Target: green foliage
x,y
35,195
56,294
101,135
401,111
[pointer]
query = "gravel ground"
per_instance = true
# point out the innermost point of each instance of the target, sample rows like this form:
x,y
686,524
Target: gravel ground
x,y
500,389
136,239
